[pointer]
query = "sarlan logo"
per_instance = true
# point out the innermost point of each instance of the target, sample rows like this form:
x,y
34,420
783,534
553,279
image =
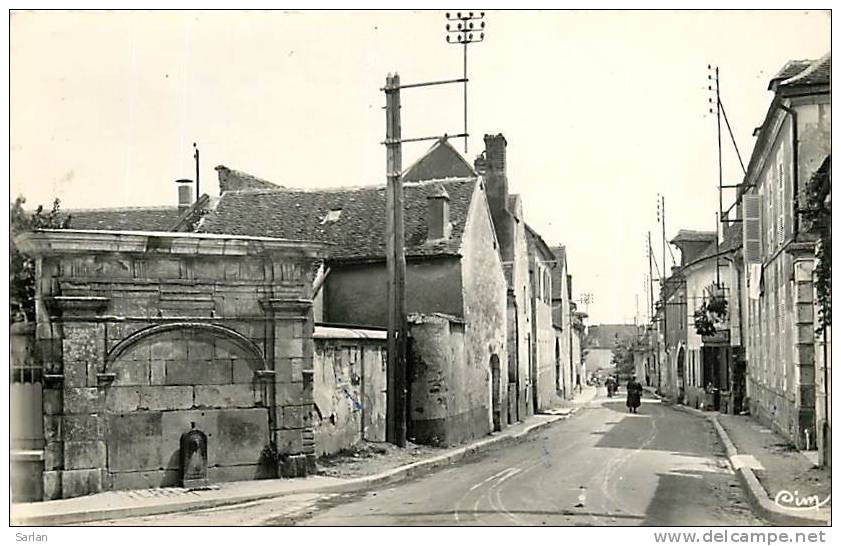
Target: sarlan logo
x,y
793,501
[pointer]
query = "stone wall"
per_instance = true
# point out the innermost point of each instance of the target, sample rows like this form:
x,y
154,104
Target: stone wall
x,y
349,387
143,335
449,395
484,295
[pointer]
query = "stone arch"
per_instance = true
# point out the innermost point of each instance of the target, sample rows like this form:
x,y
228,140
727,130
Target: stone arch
x,y
212,329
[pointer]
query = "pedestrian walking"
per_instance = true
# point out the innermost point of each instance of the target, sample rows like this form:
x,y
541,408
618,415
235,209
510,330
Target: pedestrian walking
x,y
578,382
634,395
610,383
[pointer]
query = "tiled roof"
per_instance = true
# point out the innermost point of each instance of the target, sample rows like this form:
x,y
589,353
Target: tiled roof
x,y
356,225
791,68
540,243
731,241
560,253
693,236
125,219
603,336
440,161
818,72
233,180
804,72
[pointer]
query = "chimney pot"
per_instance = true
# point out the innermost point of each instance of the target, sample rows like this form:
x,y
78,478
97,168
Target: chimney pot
x,y
438,214
185,194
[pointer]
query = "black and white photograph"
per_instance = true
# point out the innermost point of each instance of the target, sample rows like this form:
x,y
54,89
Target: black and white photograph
x,y
420,267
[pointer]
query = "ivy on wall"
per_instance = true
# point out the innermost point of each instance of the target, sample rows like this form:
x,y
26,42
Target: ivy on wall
x,y
818,212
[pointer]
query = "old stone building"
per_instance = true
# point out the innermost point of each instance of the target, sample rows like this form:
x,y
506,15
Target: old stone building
x,y
706,370
779,252
144,336
510,227
455,287
562,324
546,358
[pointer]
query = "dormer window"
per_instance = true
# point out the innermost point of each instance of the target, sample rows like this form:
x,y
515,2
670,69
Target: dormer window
x,y
332,216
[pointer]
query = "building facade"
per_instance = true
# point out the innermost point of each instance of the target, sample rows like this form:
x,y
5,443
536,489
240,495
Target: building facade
x,y
779,253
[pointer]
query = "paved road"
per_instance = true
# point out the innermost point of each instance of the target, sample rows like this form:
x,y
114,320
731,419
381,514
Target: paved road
x,y
602,467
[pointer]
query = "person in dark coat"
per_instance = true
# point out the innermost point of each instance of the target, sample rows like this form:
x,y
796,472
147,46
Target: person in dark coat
x,y
610,383
634,395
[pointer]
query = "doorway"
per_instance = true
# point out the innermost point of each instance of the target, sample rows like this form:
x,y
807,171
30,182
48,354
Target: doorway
x,y
681,375
495,393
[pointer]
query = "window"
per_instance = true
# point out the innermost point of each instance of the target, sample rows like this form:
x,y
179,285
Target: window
x,y
331,216
781,203
769,216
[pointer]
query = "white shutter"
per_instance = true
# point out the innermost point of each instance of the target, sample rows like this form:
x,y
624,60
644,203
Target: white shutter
x,y
751,230
781,204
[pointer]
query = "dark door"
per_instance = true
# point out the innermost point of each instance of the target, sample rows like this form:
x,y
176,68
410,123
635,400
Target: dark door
x,y
495,393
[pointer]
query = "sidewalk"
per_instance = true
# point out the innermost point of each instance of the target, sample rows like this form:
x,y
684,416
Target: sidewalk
x,y
782,468
774,475
147,502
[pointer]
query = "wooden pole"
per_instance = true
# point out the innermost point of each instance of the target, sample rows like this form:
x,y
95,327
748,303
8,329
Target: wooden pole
x,y
196,157
396,265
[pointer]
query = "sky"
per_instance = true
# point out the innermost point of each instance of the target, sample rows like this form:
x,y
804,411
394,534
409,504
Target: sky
x,y
602,111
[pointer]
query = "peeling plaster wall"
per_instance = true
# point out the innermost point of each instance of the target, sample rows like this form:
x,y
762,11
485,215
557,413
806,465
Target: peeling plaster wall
x,y
349,393
484,288
449,402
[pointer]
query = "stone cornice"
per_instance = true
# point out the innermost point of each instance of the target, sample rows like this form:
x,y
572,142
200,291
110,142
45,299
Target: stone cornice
x,y
78,303
285,305
69,241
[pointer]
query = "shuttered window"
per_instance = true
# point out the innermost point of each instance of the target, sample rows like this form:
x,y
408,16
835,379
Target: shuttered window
x,y
751,228
781,204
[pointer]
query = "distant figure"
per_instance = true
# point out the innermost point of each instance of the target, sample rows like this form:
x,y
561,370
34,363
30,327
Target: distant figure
x,y
610,383
634,395
578,382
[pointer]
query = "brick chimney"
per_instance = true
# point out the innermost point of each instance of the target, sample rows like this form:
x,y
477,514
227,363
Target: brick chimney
x,y
496,179
438,214
185,194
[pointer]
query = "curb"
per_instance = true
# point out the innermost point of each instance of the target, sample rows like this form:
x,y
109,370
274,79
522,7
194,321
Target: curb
x,y
394,475
757,496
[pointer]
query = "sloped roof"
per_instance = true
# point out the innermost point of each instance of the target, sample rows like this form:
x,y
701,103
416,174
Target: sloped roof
x,y
815,72
440,161
560,253
603,336
357,231
791,68
125,218
693,236
539,242
233,180
731,241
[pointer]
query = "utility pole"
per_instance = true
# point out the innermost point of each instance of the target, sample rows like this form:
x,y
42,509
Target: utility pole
x,y
650,278
662,217
720,173
652,310
196,157
397,373
469,29
396,264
